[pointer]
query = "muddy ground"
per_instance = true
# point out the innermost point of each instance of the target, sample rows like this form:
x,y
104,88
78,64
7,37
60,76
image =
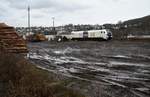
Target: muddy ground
x,y
98,69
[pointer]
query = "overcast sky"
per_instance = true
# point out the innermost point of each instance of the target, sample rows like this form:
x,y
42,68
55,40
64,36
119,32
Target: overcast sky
x,y
14,12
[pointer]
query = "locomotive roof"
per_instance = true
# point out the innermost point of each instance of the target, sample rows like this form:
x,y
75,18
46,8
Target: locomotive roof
x,y
89,31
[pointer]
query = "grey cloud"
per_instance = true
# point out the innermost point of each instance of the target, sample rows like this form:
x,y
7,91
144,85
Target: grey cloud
x,y
2,11
72,11
4,8
55,5
116,0
18,4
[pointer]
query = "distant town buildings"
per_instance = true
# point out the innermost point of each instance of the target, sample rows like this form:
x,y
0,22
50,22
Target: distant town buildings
x,y
68,28
60,29
121,30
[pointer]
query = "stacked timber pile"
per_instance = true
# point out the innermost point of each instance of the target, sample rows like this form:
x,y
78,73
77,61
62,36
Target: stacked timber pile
x,y
36,37
10,41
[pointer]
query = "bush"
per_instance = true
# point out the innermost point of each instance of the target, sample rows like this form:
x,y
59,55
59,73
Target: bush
x,y
23,79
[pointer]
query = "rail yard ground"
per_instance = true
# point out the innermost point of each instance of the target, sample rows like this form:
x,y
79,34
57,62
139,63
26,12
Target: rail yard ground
x,y
97,68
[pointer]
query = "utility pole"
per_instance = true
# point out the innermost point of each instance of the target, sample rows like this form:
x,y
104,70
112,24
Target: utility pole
x,y
53,18
54,31
29,19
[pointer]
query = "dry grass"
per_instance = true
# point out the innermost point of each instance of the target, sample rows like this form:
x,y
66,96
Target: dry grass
x,y
21,79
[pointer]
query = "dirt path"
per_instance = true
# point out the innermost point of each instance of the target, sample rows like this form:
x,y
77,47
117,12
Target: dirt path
x,y
122,66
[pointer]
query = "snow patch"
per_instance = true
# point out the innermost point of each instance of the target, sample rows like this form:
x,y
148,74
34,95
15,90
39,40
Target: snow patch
x,y
73,70
98,69
126,63
121,56
143,89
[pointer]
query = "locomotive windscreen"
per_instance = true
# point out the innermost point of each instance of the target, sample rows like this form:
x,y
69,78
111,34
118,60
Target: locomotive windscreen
x,y
85,34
